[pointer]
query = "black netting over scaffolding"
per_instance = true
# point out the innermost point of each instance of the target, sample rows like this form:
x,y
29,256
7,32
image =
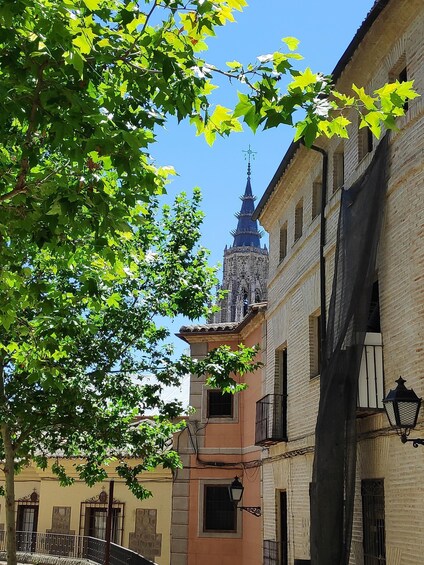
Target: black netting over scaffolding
x,y
333,481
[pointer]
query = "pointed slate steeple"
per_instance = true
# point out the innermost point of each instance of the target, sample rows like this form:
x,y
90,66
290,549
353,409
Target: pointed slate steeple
x,y
245,268
247,234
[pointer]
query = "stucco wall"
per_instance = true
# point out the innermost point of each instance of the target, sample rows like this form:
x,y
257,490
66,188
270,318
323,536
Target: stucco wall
x,y
51,494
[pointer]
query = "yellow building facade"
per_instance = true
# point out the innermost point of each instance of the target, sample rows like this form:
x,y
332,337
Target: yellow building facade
x,y
43,506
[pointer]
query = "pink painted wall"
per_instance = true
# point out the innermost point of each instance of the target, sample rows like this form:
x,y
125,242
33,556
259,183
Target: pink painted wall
x,y
221,550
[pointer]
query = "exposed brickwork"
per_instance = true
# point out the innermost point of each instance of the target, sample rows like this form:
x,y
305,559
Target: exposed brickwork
x,y
293,296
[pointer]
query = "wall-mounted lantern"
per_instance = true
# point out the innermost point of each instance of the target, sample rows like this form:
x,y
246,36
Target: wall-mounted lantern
x,y
235,491
402,406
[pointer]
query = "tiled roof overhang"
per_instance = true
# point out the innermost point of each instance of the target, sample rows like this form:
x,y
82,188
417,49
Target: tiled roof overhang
x,y
225,328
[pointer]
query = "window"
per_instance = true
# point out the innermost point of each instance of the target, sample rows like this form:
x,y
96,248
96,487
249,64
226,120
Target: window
x,y
26,522
298,220
245,302
316,198
283,241
400,72
373,324
338,170
403,77
93,518
364,142
220,514
281,375
283,526
95,524
315,345
271,410
374,540
220,404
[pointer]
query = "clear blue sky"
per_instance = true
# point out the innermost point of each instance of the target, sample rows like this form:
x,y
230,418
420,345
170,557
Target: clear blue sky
x,y
324,28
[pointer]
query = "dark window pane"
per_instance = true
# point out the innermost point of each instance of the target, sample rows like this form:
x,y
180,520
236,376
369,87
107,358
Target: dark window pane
x,y
220,404
220,513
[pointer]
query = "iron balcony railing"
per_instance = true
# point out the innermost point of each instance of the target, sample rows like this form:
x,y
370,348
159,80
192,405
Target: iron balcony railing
x,y
271,554
371,375
271,419
77,547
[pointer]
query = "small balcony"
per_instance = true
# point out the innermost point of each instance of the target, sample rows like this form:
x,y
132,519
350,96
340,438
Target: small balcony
x,y
271,552
371,375
271,420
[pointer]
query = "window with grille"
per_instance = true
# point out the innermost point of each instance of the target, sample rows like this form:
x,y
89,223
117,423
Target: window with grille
x,y
298,220
338,170
26,522
220,514
220,404
96,519
365,142
94,514
316,198
374,541
283,241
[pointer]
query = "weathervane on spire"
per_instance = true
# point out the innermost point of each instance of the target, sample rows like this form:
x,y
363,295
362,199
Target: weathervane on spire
x,y
248,155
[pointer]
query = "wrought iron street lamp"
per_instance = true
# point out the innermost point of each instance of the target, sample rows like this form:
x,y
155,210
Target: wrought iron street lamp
x,y
235,491
402,406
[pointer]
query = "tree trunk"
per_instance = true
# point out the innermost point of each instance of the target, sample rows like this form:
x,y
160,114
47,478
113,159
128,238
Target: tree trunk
x,y
9,472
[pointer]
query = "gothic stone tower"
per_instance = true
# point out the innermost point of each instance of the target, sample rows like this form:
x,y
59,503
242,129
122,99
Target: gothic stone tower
x,y
245,269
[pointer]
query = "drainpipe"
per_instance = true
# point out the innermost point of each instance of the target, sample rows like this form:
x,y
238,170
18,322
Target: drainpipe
x,y
323,234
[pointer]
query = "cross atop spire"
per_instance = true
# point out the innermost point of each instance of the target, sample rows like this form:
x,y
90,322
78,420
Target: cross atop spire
x,y
247,234
248,153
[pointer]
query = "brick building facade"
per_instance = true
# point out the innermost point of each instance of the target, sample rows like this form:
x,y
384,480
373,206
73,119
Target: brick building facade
x,y
389,509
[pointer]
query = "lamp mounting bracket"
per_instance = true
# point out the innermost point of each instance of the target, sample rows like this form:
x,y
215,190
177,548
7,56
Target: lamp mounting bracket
x,y
255,510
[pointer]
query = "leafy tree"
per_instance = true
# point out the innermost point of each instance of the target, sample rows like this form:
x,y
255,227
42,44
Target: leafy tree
x,y
85,261
82,338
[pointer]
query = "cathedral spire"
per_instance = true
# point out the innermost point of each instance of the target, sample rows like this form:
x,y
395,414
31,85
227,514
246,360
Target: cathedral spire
x,y
247,234
245,269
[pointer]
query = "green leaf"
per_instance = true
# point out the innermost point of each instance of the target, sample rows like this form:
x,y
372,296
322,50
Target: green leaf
x,y
114,300
306,129
76,60
373,121
104,42
303,79
244,105
93,4
234,65
368,101
81,41
55,209
291,42
252,119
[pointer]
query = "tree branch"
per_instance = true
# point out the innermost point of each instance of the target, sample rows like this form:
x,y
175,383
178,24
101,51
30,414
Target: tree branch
x,y
21,185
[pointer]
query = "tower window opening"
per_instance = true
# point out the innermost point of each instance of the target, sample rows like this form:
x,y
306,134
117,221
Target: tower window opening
x,y
245,302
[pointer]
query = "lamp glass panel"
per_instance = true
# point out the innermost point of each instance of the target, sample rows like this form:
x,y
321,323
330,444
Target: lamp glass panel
x,y
391,414
236,493
408,412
